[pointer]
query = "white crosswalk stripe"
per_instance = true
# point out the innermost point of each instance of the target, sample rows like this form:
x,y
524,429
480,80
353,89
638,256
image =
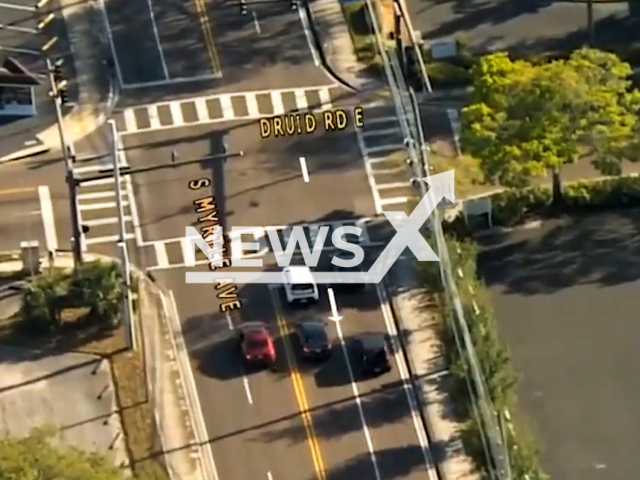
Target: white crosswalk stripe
x,y
97,202
382,146
261,237
223,108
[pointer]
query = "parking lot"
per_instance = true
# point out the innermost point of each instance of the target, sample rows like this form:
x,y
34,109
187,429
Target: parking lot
x,y
566,299
538,26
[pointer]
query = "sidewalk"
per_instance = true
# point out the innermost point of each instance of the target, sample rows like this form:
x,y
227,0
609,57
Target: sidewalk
x,y
89,45
430,371
184,441
328,22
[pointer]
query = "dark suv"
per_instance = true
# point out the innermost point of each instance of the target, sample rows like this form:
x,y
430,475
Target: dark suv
x,y
373,354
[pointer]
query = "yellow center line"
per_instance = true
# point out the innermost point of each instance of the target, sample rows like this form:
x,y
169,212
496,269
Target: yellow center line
x,y
208,36
299,391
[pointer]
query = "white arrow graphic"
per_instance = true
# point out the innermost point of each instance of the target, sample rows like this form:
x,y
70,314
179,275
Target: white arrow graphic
x,y
408,228
442,185
335,316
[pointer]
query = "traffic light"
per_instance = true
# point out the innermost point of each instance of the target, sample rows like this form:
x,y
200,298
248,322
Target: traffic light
x,y
60,82
63,95
294,4
57,70
243,7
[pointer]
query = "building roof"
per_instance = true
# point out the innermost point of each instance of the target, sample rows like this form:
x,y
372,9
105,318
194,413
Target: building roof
x,y
13,73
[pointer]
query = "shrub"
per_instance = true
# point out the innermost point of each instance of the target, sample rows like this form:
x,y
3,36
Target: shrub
x,y
42,302
513,207
98,285
94,285
447,74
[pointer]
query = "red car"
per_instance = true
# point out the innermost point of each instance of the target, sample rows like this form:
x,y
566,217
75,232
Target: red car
x,y
256,344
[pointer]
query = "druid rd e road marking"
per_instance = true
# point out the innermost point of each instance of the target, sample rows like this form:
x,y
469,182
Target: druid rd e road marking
x,y
407,236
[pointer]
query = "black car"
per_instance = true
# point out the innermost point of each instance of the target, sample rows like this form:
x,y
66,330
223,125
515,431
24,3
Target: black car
x,y
313,340
350,287
373,354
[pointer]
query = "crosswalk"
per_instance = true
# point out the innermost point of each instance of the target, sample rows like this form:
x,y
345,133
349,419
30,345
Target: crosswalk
x,y
172,252
97,203
223,108
382,145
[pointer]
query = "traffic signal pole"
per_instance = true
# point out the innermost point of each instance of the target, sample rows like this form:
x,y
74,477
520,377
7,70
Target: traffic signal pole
x,y
152,168
125,266
71,183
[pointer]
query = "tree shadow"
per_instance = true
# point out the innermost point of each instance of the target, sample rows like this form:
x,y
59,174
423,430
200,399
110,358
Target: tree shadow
x,y
507,24
392,463
600,249
212,346
278,53
384,406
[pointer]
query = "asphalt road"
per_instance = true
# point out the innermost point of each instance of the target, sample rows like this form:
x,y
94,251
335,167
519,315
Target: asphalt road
x,y
22,205
258,187
175,49
565,297
541,26
253,418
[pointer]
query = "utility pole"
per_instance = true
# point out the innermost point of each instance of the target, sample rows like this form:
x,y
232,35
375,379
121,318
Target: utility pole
x,y
125,266
421,71
590,25
59,95
397,32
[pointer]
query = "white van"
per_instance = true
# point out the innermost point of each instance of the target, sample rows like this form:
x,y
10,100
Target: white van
x,y
299,285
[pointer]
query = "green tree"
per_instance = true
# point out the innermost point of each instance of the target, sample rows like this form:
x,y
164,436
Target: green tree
x,y
98,285
526,119
38,457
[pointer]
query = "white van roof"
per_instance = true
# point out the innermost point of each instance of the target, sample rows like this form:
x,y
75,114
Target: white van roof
x,y
298,274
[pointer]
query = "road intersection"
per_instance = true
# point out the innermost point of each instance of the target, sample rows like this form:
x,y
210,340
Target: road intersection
x,y
358,426
184,90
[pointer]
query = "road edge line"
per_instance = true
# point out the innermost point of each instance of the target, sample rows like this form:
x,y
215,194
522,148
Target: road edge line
x,y
186,374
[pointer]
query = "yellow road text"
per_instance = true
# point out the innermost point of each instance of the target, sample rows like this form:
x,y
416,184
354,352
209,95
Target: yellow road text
x,y
333,120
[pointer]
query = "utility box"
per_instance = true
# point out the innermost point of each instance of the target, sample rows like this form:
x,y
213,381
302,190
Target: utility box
x,y
30,254
478,213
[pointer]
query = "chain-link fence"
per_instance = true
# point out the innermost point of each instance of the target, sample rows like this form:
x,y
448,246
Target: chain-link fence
x,y
417,151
